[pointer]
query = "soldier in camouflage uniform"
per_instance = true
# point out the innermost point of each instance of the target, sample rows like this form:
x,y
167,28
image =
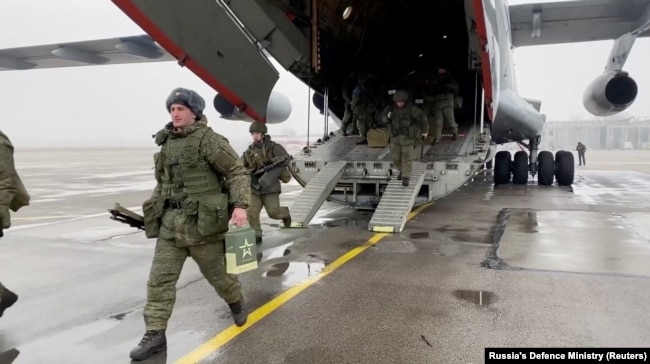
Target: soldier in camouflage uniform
x,y
441,97
363,109
13,196
199,178
406,123
347,116
263,151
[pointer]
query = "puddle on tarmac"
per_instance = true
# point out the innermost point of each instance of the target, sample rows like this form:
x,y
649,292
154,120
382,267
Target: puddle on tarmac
x,y
448,228
271,253
421,235
479,298
341,222
293,273
118,317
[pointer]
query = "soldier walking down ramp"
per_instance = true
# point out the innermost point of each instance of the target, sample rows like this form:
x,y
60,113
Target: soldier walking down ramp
x,y
266,188
441,98
198,176
406,123
13,196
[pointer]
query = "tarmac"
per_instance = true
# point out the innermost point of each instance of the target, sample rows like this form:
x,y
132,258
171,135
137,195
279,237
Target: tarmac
x,y
485,267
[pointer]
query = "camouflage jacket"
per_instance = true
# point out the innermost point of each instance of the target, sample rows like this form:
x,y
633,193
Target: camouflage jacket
x,y
13,193
442,85
409,121
259,155
215,150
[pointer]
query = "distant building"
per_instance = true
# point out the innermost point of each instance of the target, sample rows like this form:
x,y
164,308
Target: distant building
x,y
602,133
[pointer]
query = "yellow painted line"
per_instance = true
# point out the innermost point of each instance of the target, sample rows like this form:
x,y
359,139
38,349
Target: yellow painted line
x,y
222,338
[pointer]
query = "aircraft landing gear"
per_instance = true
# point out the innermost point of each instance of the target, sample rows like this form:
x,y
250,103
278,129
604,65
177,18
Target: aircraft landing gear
x,y
562,167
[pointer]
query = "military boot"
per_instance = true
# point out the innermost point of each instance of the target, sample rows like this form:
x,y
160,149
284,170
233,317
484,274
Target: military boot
x,y
399,176
405,181
7,299
153,341
287,221
238,314
455,135
258,240
362,141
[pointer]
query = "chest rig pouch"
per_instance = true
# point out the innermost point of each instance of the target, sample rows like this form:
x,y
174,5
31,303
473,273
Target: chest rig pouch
x,y
191,185
402,123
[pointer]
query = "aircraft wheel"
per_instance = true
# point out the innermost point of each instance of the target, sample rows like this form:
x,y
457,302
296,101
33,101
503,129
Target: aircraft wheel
x,y
502,167
520,168
565,168
546,168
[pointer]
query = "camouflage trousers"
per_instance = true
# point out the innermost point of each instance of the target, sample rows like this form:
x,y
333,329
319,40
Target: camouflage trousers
x,y
440,111
271,203
347,120
166,268
402,149
364,123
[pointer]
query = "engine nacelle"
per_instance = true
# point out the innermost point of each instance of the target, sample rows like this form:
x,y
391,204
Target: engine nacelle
x,y
278,109
610,93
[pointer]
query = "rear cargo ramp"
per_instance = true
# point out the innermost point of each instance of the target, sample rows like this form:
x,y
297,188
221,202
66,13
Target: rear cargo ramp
x,y
315,193
397,202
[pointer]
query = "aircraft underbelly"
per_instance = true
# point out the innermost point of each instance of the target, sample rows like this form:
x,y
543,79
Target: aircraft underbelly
x,y
515,119
203,36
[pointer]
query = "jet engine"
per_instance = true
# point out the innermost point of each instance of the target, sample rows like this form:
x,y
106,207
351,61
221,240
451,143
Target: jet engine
x,y
610,93
278,109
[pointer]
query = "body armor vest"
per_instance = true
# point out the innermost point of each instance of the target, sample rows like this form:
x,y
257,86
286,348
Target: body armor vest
x,y
185,173
402,122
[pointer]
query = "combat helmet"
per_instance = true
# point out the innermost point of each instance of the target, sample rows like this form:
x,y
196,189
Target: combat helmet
x,y
400,95
257,127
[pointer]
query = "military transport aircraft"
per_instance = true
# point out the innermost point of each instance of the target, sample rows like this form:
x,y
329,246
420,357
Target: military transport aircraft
x,y
227,43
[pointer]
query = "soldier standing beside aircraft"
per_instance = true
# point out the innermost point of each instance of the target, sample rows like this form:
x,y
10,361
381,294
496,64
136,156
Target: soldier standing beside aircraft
x,y
13,196
198,175
266,188
406,123
441,102
581,148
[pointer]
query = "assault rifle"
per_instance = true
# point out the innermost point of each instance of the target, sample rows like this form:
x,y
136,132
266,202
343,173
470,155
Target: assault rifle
x,y
275,162
260,178
126,216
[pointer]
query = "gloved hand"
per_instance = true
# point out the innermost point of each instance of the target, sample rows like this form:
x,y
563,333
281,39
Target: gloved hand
x,y
5,219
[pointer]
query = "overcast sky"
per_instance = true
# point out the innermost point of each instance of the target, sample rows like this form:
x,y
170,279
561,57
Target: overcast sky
x,y
124,104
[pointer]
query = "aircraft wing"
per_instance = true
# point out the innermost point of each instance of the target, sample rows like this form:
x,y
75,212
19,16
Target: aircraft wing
x,y
131,49
577,21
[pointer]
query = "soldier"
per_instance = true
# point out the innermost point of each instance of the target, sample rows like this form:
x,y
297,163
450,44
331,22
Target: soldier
x,y
347,116
13,196
363,109
199,177
581,148
441,97
266,188
406,123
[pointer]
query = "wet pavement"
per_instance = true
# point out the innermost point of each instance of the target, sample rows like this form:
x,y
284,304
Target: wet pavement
x,y
506,266
484,267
